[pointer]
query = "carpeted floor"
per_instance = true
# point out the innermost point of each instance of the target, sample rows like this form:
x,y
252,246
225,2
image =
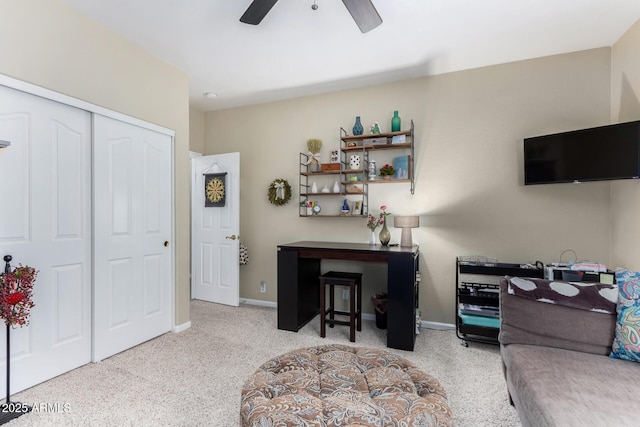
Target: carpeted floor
x,y
194,378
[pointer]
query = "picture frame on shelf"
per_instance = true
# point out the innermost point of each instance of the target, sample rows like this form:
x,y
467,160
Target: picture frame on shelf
x,y
398,139
401,166
357,208
335,156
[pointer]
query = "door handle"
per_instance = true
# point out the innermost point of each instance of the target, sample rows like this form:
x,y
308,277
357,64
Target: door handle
x,y
232,237
166,243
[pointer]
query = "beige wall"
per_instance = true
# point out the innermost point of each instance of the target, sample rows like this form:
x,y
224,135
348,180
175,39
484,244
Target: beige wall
x,y
196,130
469,191
625,106
46,43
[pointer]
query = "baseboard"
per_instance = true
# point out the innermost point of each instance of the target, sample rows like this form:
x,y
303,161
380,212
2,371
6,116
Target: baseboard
x,y
365,316
182,327
437,325
259,302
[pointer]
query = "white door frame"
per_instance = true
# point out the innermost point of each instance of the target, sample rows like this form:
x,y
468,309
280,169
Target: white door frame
x,y
192,283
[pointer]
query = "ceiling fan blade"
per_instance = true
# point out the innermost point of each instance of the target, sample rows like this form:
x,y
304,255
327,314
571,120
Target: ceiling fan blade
x,y
364,13
257,10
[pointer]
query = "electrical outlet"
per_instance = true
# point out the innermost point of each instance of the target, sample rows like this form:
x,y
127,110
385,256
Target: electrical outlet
x,y
345,294
263,286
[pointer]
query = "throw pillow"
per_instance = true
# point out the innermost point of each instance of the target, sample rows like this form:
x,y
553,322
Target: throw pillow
x,y
626,344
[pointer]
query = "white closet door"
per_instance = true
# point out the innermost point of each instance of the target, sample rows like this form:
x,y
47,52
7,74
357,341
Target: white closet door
x,y
133,270
45,222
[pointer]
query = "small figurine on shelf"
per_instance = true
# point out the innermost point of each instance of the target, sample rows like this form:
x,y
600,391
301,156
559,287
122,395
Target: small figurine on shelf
x,y
345,207
375,128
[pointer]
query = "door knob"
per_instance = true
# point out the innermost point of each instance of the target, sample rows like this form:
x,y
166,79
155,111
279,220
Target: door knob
x,y
166,243
232,237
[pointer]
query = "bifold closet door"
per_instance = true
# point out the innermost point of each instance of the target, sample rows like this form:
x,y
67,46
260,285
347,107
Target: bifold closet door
x,y
133,269
45,222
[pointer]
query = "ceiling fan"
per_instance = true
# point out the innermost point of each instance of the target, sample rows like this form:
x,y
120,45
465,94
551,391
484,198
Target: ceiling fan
x,y
362,11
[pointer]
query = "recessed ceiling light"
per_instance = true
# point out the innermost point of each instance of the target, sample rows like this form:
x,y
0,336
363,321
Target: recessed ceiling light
x,y
210,95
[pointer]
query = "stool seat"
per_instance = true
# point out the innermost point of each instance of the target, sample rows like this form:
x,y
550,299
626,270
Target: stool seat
x,y
354,282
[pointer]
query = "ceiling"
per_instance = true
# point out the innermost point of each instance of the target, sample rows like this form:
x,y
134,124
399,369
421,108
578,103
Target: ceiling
x,y
297,51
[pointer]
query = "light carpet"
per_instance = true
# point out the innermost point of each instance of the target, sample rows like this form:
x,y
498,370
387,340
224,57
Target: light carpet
x,y
194,378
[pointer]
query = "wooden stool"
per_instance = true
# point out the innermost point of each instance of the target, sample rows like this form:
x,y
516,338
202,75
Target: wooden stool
x,y
354,282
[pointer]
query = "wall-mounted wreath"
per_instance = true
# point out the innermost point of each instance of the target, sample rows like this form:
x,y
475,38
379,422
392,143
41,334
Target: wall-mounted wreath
x,y
279,192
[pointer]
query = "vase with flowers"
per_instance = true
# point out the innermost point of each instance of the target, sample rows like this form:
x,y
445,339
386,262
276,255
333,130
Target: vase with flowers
x,y
387,171
372,223
313,158
385,234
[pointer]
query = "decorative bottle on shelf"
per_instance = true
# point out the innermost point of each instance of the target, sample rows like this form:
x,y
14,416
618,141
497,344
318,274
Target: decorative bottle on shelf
x,y
395,122
385,234
372,169
357,127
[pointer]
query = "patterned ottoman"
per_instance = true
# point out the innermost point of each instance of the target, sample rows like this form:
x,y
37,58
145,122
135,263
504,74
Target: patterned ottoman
x,y
338,385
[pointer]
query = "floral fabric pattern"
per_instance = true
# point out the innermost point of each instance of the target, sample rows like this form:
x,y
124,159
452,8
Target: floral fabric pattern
x,y
337,385
626,344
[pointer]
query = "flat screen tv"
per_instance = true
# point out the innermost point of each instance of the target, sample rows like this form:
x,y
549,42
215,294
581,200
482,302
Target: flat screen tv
x,y
601,153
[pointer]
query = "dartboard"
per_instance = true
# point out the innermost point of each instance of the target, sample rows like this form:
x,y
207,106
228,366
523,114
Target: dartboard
x,y
215,190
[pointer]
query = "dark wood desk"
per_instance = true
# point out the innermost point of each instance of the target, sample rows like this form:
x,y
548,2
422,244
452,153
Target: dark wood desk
x,y
299,291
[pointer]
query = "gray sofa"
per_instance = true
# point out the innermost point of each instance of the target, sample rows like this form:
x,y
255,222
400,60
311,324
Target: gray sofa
x,y
556,364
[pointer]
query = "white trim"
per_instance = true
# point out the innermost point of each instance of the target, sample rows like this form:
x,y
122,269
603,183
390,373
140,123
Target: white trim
x,y
180,328
83,105
192,155
174,267
437,325
365,316
259,302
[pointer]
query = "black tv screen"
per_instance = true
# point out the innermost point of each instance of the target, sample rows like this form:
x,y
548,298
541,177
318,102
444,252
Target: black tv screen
x,y
601,153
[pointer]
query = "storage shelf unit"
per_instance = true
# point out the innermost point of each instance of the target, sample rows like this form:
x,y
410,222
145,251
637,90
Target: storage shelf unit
x,y
331,201
483,294
361,144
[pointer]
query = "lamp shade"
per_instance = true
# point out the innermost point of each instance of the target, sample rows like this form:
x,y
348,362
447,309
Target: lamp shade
x,y
406,222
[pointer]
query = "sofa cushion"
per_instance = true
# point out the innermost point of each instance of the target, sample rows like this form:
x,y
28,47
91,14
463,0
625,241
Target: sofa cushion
x,y
598,297
527,321
557,387
626,344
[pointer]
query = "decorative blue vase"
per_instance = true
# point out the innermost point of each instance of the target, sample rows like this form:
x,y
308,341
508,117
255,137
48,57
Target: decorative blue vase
x,y
357,128
395,122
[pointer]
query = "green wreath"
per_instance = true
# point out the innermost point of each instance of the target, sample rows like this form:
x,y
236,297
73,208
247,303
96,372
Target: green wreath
x,y
279,192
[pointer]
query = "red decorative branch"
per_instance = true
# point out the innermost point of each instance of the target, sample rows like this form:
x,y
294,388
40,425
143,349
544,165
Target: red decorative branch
x,y
16,291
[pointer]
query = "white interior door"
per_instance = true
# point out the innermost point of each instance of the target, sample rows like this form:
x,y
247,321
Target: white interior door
x,y
133,258
216,232
45,222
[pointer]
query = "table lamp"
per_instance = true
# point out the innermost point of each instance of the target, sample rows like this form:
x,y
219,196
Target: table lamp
x,y
406,223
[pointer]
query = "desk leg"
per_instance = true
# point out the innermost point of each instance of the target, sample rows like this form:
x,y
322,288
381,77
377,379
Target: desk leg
x,y
298,290
401,303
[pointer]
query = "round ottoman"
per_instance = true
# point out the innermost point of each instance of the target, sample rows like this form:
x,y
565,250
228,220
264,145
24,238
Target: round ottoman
x,y
338,385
